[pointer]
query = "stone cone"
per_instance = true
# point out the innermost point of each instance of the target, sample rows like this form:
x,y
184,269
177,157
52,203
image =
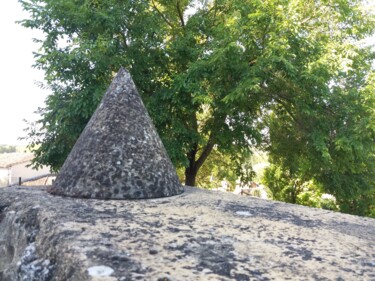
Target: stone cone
x,y
119,155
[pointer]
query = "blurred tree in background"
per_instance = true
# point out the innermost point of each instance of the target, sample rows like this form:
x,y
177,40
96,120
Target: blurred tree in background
x,y
8,148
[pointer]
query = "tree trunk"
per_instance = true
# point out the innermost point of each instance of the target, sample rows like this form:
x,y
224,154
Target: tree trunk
x,y
191,170
190,175
194,165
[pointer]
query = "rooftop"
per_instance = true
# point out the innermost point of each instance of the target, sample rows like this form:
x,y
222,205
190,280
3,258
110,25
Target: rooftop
x,y
10,159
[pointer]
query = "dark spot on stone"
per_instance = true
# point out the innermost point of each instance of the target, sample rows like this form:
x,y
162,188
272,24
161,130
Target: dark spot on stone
x,y
2,211
241,277
153,252
10,252
106,235
137,194
107,182
67,233
98,178
173,229
120,258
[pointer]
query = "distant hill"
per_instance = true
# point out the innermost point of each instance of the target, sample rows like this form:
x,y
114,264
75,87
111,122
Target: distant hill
x,y
6,148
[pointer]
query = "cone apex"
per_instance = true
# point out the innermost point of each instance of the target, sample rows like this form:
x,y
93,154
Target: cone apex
x,y
119,154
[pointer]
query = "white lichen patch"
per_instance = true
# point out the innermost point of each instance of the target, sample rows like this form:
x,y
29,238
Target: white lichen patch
x,y
100,271
244,213
32,268
28,254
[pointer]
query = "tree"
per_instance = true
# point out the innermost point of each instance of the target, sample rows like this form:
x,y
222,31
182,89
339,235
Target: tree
x,y
224,167
291,189
342,155
208,72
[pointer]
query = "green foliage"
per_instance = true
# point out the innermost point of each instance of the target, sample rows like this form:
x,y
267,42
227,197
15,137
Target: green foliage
x,y
288,188
362,204
329,204
283,185
333,144
223,167
258,162
233,74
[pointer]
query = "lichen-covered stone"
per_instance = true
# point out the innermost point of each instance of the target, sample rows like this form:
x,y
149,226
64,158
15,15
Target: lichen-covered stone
x,y
119,155
199,235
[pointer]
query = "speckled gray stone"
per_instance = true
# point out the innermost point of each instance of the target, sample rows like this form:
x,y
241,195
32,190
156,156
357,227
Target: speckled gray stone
x,y
198,235
119,155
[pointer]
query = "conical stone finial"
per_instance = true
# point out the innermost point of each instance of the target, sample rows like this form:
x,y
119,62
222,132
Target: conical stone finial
x,y
119,155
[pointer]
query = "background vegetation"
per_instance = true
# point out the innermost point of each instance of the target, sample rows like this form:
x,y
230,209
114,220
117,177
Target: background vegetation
x,y
220,78
7,148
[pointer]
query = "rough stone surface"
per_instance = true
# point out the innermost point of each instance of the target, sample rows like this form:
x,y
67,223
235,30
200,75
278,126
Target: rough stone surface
x,y
119,155
199,235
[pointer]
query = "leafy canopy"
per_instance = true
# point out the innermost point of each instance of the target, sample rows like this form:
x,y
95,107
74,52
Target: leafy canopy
x,y
221,74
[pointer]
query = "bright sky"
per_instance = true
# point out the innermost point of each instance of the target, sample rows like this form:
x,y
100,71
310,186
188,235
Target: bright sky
x,y
19,96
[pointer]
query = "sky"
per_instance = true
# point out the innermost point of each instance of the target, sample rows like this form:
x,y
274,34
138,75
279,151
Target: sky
x,y
19,95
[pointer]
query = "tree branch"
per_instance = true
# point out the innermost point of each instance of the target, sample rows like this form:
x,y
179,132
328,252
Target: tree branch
x,y
162,15
290,113
180,15
206,152
123,37
286,109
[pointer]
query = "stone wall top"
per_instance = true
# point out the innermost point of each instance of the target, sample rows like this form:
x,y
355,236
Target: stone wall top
x,y
199,235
